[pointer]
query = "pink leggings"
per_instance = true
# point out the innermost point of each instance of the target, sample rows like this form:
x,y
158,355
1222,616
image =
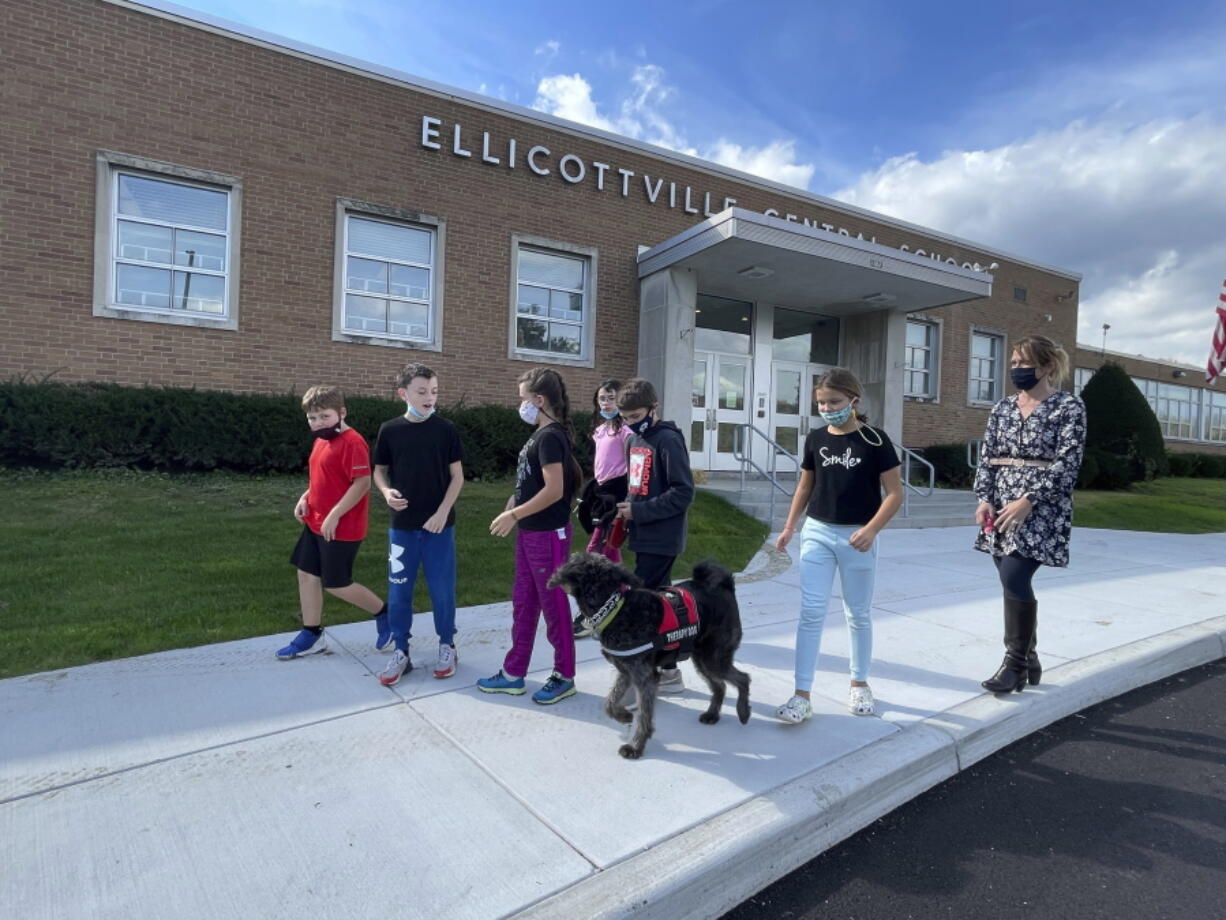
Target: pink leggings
x,y
538,554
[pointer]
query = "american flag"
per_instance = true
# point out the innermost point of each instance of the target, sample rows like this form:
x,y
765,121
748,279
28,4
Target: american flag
x,y
1217,357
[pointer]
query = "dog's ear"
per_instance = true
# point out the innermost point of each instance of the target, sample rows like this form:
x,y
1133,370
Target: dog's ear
x,y
564,576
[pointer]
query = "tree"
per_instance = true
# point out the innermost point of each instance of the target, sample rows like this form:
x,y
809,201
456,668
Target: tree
x,y
1122,432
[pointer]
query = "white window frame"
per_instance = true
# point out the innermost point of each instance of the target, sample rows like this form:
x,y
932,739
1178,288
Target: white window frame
x,y
971,379
933,394
110,165
1173,429
1214,415
1081,376
349,207
587,354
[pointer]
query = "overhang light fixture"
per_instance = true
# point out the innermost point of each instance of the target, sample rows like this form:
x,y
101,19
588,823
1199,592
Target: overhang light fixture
x,y
879,299
754,272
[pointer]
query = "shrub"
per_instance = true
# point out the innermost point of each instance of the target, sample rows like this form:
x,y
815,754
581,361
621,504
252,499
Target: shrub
x,y
1184,464
1120,423
949,461
1212,466
53,426
1114,471
1089,470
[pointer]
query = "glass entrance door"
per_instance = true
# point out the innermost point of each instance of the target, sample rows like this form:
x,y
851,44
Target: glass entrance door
x,y
720,398
793,411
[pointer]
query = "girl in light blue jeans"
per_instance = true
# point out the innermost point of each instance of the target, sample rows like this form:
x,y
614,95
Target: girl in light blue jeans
x,y
846,467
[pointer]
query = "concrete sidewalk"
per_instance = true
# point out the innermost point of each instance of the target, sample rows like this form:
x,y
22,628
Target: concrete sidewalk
x,y
219,783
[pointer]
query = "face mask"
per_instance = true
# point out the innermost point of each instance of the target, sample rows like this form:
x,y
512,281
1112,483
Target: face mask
x,y
529,412
640,427
1024,378
610,415
326,434
837,418
420,416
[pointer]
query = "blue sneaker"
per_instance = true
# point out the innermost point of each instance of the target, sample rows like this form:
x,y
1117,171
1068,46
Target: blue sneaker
x,y
383,633
556,688
305,643
501,683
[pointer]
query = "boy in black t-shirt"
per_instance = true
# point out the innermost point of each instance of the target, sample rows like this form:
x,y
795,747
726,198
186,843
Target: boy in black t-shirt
x,y
419,469
846,466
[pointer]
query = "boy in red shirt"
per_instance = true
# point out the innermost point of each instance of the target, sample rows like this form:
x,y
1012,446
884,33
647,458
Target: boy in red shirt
x,y
333,513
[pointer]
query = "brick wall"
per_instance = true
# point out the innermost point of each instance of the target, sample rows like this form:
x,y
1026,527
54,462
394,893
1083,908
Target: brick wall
x,y
83,75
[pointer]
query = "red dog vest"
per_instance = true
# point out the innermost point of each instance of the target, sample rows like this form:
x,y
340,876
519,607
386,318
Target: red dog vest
x,y
679,624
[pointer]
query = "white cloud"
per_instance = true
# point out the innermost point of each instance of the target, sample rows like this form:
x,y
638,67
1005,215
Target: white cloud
x,y
642,116
548,49
1138,209
777,161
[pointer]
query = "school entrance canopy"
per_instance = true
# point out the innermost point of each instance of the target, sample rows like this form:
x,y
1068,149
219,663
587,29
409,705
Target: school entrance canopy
x,y
773,263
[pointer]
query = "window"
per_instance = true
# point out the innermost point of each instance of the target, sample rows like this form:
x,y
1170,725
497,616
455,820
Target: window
x,y
1081,376
1215,416
922,349
388,269
167,243
800,336
1177,407
723,324
1019,293
388,283
552,315
986,366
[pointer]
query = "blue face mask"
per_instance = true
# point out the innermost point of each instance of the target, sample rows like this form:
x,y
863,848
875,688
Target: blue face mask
x,y
609,415
420,416
839,418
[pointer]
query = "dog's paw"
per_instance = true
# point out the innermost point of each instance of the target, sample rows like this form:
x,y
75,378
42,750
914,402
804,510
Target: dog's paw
x,y
630,752
624,716
742,710
709,718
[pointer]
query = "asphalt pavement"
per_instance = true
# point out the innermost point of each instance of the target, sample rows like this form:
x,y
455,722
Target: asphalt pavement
x,y
1117,812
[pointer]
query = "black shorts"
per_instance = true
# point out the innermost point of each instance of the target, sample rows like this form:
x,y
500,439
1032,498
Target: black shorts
x,y
329,560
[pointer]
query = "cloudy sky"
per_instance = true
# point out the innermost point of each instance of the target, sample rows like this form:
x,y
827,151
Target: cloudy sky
x,y
1088,136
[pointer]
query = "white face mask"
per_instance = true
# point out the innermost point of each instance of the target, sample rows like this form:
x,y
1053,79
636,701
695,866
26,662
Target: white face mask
x,y
529,412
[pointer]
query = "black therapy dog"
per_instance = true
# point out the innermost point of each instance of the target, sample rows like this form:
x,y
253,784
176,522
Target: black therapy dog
x,y
628,619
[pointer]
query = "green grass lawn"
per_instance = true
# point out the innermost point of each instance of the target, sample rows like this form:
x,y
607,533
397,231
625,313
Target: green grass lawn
x,y
1163,506
108,564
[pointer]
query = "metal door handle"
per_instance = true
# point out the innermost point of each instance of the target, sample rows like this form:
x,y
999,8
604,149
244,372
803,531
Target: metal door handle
x,y
711,420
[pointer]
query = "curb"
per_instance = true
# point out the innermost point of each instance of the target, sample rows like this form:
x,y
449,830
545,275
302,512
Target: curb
x,y
710,869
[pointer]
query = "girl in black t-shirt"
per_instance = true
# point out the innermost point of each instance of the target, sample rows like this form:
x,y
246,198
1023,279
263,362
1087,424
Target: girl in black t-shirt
x,y
545,481
846,466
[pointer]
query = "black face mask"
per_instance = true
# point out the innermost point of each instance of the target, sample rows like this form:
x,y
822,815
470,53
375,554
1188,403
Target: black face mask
x,y
640,427
1024,378
326,434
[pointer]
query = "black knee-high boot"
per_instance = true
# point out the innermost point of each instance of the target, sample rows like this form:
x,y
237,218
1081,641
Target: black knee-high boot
x,y
1020,620
1033,666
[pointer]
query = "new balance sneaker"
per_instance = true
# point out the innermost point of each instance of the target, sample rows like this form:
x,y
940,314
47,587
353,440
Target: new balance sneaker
x,y
860,702
671,683
581,629
795,710
555,689
397,666
501,683
305,643
383,632
447,660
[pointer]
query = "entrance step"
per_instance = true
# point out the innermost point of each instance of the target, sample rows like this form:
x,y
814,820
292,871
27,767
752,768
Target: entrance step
x,y
943,508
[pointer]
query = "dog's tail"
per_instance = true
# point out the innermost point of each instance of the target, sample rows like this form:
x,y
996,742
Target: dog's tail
x,y
713,576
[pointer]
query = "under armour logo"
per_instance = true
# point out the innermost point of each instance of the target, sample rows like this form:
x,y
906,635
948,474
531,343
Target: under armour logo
x,y
393,559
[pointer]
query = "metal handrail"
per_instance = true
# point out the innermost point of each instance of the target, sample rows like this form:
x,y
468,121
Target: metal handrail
x,y
907,455
745,457
973,450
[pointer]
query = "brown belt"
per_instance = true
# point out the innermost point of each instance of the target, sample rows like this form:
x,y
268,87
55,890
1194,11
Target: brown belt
x,y
1018,461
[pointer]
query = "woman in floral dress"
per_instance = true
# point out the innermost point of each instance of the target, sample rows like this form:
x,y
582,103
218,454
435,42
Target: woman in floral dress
x,y
1028,467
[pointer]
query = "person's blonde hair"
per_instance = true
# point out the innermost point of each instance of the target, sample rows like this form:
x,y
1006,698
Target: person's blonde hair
x,y
324,396
1041,351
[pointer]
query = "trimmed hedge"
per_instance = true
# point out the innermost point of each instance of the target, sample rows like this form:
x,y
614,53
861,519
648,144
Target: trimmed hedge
x,y
1205,466
51,425
949,461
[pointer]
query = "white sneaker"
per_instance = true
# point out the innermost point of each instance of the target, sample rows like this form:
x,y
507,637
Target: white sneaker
x,y
860,702
447,660
795,710
397,667
671,683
